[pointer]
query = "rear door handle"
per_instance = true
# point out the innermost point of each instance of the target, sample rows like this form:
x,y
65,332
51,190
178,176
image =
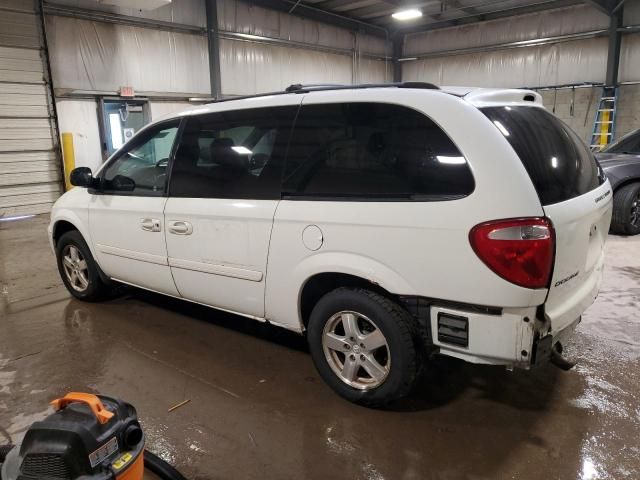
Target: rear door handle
x,y
150,224
178,227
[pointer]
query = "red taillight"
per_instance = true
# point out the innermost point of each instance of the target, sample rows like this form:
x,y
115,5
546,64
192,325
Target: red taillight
x,y
519,250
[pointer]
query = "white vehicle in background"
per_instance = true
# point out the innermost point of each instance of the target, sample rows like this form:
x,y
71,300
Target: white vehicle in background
x,y
388,223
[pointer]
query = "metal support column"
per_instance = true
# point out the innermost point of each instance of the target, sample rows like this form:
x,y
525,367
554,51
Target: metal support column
x,y
214,48
613,55
398,43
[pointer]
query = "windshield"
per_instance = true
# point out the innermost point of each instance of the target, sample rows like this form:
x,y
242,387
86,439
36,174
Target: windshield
x,y
630,143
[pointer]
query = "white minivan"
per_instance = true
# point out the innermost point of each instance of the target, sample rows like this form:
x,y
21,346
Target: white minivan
x,y
387,222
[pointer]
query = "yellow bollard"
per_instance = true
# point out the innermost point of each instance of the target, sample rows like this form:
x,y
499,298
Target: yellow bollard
x,y
69,158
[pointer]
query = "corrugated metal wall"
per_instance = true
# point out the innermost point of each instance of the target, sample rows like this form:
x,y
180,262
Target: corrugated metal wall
x,y
576,61
30,177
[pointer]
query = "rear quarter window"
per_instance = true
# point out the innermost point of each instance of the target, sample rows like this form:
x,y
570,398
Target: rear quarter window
x,y
373,151
559,164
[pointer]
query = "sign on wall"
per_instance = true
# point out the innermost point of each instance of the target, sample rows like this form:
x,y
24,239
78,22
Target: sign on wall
x,y
127,92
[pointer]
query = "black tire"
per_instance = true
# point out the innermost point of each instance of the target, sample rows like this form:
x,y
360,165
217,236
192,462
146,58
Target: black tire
x,y
400,332
626,202
97,288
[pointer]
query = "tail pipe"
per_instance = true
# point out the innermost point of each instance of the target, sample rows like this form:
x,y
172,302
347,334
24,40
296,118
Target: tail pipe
x,y
558,360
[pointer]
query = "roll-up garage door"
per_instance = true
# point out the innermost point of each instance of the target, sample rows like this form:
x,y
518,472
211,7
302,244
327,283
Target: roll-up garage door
x,y
30,167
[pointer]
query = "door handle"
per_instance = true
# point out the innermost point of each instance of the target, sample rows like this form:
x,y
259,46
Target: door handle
x,y
178,227
150,224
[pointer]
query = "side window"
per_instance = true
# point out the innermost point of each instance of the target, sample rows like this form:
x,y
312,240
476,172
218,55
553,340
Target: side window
x,y
373,150
235,154
141,167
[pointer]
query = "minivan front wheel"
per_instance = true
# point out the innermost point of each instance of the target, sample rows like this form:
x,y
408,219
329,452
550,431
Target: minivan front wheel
x,y
79,271
364,346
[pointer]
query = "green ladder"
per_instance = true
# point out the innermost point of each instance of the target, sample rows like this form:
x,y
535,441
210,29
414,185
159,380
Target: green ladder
x,y
604,126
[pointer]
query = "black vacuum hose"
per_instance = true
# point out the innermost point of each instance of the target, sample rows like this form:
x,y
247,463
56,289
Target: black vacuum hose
x,y
161,468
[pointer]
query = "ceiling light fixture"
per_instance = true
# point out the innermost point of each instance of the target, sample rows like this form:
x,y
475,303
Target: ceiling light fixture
x,y
407,14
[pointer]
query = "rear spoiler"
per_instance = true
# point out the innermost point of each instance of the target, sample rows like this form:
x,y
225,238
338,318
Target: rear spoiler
x,y
485,97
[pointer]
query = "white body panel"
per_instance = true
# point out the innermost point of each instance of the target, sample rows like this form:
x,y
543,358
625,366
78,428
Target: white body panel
x,y
223,262
409,248
253,257
581,226
123,249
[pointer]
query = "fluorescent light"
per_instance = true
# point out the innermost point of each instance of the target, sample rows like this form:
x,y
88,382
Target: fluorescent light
x,y
407,14
554,162
451,160
500,126
242,150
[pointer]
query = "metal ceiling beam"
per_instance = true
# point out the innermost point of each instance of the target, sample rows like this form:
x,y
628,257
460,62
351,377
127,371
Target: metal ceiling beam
x,y
398,45
456,5
345,5
213,40
613,54
319,15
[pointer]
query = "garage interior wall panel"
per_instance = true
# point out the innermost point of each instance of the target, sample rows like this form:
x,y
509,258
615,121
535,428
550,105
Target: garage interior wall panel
x,y
30,179
557,64
249,68
241,17
630,58
186,12
632,13
80,118
162,109
371,70
544,24
98,56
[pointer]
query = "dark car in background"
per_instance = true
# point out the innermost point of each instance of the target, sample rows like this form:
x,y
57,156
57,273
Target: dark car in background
x,y
621,163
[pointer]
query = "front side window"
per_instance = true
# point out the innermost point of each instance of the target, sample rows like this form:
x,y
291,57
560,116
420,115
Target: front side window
x,y
141,167
235,154
373,151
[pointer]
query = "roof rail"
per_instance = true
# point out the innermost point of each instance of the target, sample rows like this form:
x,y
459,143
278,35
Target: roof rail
x,y
321,87
300,88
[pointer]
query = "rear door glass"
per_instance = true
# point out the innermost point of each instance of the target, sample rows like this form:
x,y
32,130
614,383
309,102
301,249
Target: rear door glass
x,y
559,164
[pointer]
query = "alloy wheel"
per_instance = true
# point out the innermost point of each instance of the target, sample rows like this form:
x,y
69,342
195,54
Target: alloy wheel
x,y
75,268
634,218
356,350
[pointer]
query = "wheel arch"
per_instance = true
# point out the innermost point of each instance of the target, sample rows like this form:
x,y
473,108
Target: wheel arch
x,y
319,284
60,228
625,182
66,221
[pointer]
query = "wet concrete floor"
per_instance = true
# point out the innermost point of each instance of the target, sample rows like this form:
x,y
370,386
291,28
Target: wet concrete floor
x,y
258,409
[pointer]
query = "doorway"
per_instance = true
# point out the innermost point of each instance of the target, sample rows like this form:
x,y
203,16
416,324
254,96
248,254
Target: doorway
x,y
120,119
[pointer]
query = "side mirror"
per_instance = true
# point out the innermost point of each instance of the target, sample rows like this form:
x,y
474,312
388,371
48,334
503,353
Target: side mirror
x,y
120,183
81,177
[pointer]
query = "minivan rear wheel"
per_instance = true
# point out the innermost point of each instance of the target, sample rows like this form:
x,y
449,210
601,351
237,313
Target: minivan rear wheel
x,y
626,210
364,346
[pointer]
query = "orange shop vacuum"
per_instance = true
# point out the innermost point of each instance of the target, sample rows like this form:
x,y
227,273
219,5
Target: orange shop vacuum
x,y
88,437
